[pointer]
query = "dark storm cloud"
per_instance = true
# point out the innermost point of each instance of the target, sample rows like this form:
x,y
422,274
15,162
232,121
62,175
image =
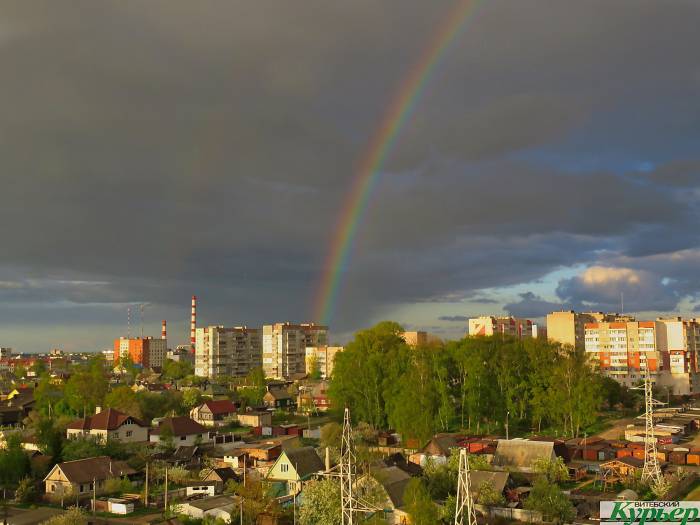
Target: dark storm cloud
x,y
453,318
151,150
531,305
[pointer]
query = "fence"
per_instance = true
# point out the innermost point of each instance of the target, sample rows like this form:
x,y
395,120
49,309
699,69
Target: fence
x,y
528,516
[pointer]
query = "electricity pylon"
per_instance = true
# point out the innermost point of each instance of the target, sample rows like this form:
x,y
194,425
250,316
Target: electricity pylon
x,y
465,513
351,505
651,472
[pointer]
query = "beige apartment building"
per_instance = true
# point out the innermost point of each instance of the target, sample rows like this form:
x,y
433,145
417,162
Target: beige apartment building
x,y
284,348
508,326
681,359
622,349
227,351
323,358
568,327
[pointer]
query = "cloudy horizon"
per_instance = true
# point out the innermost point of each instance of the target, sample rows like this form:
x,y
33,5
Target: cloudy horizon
x,y
155,150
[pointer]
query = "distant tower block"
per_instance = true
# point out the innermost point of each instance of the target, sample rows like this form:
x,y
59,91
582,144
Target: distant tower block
x,y
164,331
193,322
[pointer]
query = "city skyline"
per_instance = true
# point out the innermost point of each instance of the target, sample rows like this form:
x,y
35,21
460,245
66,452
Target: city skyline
x,y
154,152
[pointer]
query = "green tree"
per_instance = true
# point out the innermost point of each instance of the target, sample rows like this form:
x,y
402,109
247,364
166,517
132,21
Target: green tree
x,y
192,397
553,470
488,495
175,370
26,491
125,400
548,499
49,438
20,372
14,462
361,370
419,504
38,367
321,503
74,516
81,447
86,387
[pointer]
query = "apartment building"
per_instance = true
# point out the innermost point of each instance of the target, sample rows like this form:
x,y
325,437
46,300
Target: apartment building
x,y
148,352
284,347
419,338
321,358
568,327
507,326
621,349
681,359
227,351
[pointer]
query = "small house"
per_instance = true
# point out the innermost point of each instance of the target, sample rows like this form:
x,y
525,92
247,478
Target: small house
x,y
214,413
180,430
294,467
109,424
255,419
76,478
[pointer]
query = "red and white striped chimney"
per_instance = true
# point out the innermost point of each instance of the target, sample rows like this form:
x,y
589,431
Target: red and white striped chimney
x,y
163,331
193,321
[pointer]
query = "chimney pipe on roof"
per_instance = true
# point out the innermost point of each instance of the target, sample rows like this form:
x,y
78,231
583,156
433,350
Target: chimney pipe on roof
x,y
164,331
193,322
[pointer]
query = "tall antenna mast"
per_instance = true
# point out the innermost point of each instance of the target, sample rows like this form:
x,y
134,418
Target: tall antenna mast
x,y
622,303
652,470
465,513
128,322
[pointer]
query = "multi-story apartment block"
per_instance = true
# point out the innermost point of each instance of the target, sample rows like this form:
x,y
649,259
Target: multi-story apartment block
x,y
227,351
284,348
681,360
144,351
5,352
568,327
622,349
321,358
489,325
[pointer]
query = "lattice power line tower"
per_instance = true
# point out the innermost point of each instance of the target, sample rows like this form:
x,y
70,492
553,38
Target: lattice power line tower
x,y
464,513
353,508
651,472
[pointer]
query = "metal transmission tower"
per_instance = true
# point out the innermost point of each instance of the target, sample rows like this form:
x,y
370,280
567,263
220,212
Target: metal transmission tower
x,y
651,473
652,470
347,472
352,505
465,513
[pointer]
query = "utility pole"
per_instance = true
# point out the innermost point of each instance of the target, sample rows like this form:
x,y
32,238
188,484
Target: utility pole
x,y
464,513
507,416
241,509
94,496
165,506
145,499
652,470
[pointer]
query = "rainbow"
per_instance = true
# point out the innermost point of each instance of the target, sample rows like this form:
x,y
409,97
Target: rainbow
x,y
382,141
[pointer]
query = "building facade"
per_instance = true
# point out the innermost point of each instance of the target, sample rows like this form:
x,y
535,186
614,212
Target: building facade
x,y
681,360
145,351
622,349
321,359
488,325
227,351
284,348
568,327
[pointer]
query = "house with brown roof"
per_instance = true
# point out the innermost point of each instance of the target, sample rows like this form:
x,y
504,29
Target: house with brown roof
x,y
390,483
75,478
182,430
294,467
109,424
277,398
214,413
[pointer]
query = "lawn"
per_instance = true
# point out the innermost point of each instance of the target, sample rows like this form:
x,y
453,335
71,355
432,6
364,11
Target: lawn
x,y
694,492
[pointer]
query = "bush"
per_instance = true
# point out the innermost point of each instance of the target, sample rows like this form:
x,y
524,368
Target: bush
x,y
26,491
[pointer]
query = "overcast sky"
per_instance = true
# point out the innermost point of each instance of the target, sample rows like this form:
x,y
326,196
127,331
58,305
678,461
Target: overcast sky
x,y
150,150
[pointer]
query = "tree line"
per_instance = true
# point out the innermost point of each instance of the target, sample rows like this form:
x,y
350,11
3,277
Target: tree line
x,y
477,384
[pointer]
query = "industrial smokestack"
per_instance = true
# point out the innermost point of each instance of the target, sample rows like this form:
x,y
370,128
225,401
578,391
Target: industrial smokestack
x,y
163,331
193,322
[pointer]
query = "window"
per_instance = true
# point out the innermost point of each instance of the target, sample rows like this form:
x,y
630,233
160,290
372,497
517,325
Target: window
x,y
183,438
284,467
129,433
